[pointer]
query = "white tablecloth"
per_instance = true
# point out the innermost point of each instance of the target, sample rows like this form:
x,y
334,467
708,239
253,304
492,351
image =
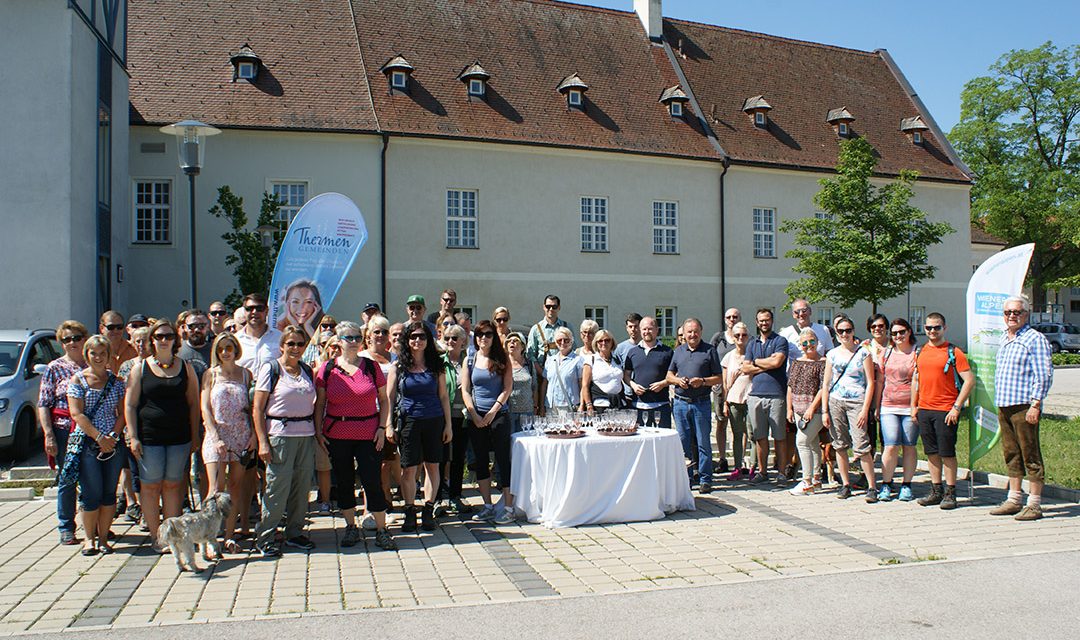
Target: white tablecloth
x,y
565,483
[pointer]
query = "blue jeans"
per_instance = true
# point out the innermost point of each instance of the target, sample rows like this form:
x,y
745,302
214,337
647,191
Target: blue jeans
x,y
658,417
65,497
164,462
898,430
98,478
692,420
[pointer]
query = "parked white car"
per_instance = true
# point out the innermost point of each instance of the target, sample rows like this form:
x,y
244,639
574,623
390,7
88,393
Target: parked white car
x,y
20,352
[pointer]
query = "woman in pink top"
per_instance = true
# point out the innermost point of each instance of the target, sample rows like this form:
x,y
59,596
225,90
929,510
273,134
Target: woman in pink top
x,y
736,388
895,406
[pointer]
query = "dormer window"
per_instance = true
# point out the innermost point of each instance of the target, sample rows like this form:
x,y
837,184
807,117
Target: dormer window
x,y
475,79
574,88
758,110
245,64
914,127
397,71
675,99
841,120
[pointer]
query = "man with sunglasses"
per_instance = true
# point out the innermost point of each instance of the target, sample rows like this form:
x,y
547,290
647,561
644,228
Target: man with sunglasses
x,y
766,404
447,302
939,401
218,315
196,346
111,325
541,341
802,313
414,309
1022,378
260,342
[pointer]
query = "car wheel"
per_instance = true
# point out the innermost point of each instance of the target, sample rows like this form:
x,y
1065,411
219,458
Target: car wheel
x,y
24,435
1055,347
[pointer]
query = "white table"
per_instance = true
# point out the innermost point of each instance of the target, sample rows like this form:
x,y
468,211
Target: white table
x,y
594,479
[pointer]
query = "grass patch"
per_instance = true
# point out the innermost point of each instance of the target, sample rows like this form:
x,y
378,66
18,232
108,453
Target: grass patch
x,y
891,561
1059,439
768,566
930,557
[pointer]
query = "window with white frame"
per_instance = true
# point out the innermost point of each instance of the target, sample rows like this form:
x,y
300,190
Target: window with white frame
x,y
917,316
825,316
476,87
764,232
574,98
153,211
594,223
665,217
821,215
665,321
398,79
461,219
916,138
597,314
676,109
759,118
291,195
469,311
842,129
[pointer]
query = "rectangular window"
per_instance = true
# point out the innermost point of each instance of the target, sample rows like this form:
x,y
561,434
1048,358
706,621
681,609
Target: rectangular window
x,y
759,118
292,195
398,79
665,321
461,219
153,211
916,137
821,215
917,316
476,87
469,311
598,314
594,224
1074,291
665,216
574,98
764,233
676,109
825,316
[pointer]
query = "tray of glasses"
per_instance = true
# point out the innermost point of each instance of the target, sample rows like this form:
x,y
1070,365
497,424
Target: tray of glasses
x,y
617,430
564,433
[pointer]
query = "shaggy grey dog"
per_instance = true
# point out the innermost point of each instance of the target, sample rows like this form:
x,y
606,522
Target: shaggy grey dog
x,y
182,533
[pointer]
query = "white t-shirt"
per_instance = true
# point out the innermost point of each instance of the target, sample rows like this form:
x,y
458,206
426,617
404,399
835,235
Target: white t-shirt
x,y
791,334
607,376
258,351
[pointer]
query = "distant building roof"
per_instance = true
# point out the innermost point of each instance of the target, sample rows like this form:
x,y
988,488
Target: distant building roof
x,y
978,236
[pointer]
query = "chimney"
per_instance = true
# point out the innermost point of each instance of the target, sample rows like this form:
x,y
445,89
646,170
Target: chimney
x,y
651,16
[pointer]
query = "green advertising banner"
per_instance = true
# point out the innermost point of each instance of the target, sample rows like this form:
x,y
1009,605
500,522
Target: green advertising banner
x,y
1001,276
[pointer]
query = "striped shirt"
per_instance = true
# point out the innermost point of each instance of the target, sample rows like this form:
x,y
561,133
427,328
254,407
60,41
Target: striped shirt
x,y
1024,372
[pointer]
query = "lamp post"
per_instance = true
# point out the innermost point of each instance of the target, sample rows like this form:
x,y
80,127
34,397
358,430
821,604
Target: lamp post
x,y
266,234
191,149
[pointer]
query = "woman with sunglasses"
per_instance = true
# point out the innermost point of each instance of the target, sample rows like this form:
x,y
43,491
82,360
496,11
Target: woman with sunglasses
x,y
284,412
129,476
162,415
95,396
230,443
561,386
896,404
804,392
486,384
326,330
877,343
453,468
500,317
601,376
418,387
523,397
736,390
379,349
54,415
350,409
847,405
313,357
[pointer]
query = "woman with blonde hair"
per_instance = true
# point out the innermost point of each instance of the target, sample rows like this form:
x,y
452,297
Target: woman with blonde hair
x,y
302,305
325,332
588,331
736,390
561,386
230,442
601,376
500,317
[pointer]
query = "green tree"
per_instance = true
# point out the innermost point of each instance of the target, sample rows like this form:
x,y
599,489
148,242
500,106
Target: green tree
x,y
873,243
1019,132
253,264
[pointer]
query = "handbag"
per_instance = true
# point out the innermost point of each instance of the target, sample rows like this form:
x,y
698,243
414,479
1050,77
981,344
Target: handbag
x,y
69,472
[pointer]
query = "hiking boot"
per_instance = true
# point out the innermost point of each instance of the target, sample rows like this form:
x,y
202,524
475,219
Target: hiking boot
x,y
427,517
409,526
932,498
1007,508
1028,513
948,501
844,493
351,537
871,496
384,541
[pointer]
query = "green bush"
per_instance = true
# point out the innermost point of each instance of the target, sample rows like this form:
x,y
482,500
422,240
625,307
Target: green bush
x,y
1066,358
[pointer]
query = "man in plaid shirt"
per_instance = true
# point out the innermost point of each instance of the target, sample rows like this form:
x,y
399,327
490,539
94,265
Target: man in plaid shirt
x,y
1023,378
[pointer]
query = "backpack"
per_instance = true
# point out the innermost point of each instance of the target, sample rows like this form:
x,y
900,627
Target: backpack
x,y
275,373
950,363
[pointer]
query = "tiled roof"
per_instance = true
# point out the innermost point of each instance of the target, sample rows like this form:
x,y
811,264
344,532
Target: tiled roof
x,y
528,47
978,236
804,81
178,57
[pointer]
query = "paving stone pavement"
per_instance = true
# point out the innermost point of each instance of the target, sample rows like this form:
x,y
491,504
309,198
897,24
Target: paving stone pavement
x,y
738,533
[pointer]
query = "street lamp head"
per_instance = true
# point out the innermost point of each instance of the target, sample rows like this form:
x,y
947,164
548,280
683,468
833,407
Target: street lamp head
x,y
190,136
266,234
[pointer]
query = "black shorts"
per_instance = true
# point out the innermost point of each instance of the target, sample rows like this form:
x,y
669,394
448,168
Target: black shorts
x,y
938,438
420,440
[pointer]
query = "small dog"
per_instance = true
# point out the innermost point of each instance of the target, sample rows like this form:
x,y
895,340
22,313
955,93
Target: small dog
x,y
182,533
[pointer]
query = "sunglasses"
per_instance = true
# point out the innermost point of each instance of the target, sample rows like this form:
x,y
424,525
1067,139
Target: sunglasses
x,y
415,307
219,313
350,338
604,341
256,308
551,306
740,335
293,344
807,343
800,312
70,339
485,334
327,326
380,332
731,317
450,339
114,327
502,320
877,327
899,332
164,337
933,327
417,336
196,325
226,348
448,323
451,300
844,332
1013,312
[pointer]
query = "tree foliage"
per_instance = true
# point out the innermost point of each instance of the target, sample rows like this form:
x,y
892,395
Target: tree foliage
x,y
873,243
253,264
1019,132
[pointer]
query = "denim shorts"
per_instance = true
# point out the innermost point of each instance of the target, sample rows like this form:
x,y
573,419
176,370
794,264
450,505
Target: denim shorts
x,y
168,463
898,430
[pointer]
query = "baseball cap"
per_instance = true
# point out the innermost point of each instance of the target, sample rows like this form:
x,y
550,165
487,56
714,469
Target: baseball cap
x,y
371,305
416,299
138,317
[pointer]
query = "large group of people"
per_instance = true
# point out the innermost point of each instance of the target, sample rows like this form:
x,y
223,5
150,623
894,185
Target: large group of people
x,y
132,412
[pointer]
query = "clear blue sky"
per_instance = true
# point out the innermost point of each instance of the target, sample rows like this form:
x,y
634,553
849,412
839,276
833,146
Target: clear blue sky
x,y
939,45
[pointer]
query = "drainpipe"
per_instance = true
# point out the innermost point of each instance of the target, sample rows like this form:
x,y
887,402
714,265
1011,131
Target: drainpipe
x,y
382,220
723,270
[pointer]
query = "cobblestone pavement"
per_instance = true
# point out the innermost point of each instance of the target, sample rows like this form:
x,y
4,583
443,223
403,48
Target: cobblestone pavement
x,y
738,533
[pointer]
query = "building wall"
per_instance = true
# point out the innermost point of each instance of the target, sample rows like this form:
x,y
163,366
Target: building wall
x,y
529,231
247,161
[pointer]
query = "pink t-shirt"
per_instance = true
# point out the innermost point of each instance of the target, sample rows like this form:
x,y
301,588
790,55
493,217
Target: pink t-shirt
x,y
899,368
350,396
294,397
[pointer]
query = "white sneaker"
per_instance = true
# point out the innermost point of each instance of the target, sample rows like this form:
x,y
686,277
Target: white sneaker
x,y
368,523
507,516
487,514
802,489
